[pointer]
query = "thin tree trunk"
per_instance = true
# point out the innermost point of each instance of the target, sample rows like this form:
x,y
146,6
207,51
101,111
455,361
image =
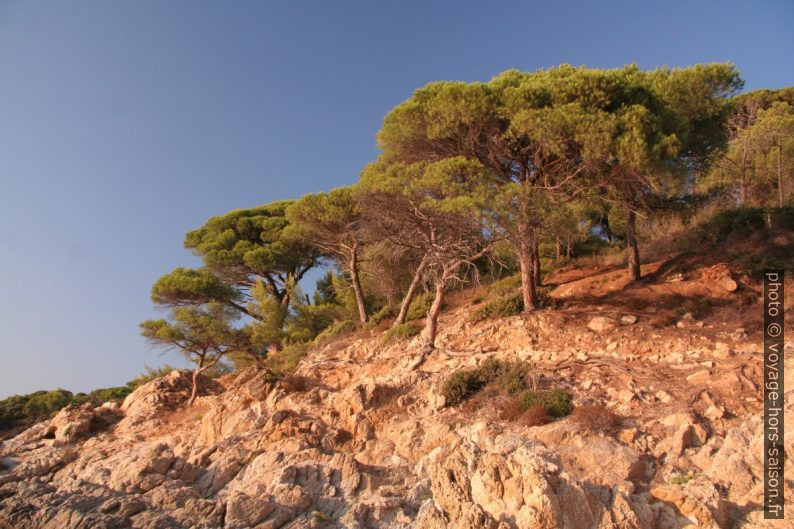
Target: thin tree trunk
x,y
743,179
536,258
529,291
194,391
362,310
569,248
632,247
431,323
780,193
409,296
558,249
198,371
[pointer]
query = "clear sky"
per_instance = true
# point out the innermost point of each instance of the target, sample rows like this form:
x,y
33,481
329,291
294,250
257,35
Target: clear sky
x,y
125,124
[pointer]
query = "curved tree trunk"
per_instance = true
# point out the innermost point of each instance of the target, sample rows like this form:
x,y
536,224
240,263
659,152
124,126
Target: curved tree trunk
x,y
196,373
529,290
194,391
632,246
409,296
431,323
362,310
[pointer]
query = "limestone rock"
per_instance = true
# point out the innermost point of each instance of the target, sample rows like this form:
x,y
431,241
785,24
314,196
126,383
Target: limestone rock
x,y
601,324
72,422
697,500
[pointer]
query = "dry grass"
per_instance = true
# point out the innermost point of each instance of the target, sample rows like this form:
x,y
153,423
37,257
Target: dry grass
x,y
596,419
292,383
512,411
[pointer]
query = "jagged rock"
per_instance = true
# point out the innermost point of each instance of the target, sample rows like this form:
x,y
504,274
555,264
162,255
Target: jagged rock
x,y
520,487
72,422
626,395
697,500
165,393
356,440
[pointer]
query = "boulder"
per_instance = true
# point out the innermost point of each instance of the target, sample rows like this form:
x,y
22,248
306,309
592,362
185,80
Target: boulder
x,y
601,324
165,393
521,486
72,422
698,500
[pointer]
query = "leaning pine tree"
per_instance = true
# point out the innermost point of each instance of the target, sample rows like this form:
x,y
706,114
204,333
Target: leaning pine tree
x,y
440,210
203,334
332,223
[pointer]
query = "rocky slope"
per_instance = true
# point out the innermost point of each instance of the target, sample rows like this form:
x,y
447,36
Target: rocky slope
x,y
360,436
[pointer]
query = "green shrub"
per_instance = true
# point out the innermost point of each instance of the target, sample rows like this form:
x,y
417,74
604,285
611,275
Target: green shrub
x,y
462,385
20,411
556,401
287,359
506,376
385,313
149,374
400,332
337,329
742,221
500,308
420,305
783,218
505,286
102,395
682,479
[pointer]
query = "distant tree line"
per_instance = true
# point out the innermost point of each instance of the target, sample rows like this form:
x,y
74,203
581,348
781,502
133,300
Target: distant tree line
x,y
476,178
21,411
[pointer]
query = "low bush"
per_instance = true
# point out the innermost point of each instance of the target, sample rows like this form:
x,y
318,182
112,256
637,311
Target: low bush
x,y
596,418
502,307
287,359
682,479
462,385
534,416
420,305
149,374
505,286
292,383
510,410
385,313
508,376
507,385
21,411
556,402
400,332
336,329
744,221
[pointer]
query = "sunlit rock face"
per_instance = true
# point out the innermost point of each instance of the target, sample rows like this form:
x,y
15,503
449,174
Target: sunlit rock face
x,y
360,436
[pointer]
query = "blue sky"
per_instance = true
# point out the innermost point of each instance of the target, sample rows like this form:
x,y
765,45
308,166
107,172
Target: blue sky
x,y
125,124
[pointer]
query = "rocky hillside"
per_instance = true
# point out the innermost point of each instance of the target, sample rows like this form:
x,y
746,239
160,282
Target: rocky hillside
x,y
360,436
